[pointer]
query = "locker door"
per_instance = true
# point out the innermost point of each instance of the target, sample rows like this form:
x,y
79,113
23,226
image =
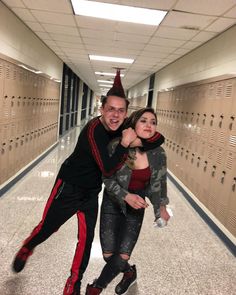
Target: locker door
x,y
2,74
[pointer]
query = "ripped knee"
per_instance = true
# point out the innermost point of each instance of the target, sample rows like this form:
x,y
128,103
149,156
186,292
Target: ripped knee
x,y
107,256
125,256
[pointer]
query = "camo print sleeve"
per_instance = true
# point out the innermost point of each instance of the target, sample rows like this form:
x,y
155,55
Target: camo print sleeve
x,y
157,192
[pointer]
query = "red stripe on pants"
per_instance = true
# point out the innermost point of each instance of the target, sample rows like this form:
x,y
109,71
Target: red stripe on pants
x,y
79,253
49,202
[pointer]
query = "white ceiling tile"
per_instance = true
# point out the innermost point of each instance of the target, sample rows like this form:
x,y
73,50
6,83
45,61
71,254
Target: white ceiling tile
x,y
14,3
52,5
191,45
175,33
72,31
54,18
204,36
51,43
69,45
65,38
132,38
145,60
181,51
221,24
166,42
183,20
231,13
156,48
43,35
87,33
24,14
154,54
98,23
35,26
128,45
135,28
208,7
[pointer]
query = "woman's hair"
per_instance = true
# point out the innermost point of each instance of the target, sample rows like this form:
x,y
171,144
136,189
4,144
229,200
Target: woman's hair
x,y
136,115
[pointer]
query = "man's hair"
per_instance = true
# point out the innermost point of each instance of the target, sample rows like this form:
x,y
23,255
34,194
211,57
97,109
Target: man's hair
x,y
116,90
104,100
136,115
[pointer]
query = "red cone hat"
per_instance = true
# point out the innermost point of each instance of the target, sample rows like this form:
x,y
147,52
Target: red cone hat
x,y
117,88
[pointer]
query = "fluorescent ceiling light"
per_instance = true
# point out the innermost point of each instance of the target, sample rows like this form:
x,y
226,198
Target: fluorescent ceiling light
x,y
104,85
105,81
107,74
118,12
110,58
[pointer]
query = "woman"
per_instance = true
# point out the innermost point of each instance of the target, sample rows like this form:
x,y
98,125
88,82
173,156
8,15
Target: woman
x,y
122,211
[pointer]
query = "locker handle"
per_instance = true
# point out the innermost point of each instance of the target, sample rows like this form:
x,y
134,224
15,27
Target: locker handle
x,y
11,140
213,171
212,115
5,96
221,116
205,162
234,184
3,143
199,158
223,177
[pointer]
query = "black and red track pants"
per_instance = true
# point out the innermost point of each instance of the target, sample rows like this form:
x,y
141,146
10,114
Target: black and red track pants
x,y
64,201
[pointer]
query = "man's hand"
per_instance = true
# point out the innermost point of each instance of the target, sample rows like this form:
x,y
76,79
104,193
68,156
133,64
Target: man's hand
x,y
135,201
128,136
136,143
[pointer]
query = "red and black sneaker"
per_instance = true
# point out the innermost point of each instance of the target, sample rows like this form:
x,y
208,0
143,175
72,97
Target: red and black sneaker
x,y
21,259
93,289
129,278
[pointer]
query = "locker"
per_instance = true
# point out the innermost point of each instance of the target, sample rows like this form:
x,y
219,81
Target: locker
x,y
3,162
2,75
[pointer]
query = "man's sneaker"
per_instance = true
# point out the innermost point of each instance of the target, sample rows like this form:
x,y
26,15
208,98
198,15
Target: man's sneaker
x,y
21,259
72,286
93,289
129,278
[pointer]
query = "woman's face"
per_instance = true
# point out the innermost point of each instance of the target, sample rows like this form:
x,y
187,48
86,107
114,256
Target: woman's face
x,y
146,125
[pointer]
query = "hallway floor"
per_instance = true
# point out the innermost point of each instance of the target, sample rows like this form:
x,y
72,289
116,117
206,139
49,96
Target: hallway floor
x,y
186,257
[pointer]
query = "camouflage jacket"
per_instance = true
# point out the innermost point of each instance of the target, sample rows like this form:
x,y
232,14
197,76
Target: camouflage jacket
x,y
116,186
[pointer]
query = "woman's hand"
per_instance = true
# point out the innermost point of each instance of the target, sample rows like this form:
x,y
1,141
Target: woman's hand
x,y
164,213
135,201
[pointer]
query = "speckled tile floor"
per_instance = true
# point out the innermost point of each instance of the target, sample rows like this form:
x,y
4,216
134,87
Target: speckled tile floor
x,y
186,257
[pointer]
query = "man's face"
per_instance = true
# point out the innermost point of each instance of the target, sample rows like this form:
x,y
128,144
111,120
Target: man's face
x,y
113,113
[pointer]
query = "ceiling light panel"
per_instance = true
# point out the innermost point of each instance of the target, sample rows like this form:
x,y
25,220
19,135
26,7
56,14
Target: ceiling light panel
x,y
110,58
118,12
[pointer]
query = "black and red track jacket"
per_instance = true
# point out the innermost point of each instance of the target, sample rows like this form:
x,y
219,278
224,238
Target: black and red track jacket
x,y
90,158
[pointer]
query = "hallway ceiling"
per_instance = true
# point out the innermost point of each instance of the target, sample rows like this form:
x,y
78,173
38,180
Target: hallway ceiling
x,y
187,25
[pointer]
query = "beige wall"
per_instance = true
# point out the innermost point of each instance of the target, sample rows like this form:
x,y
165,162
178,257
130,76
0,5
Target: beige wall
x,y
18,42
214,58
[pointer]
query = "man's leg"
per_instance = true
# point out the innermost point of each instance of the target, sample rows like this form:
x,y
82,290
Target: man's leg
x,y
55,214
86,226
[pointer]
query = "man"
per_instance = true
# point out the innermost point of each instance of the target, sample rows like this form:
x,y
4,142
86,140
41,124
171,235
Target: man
x,y
79,182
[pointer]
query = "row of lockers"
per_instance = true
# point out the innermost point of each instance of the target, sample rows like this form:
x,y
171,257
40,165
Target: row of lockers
x,y
192,137
202,120
198,122
29,108
216,97
19,151
211,179
16,81
21,107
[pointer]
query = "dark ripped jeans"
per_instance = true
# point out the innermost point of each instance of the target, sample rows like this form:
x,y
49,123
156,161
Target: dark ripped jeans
x,y
118,232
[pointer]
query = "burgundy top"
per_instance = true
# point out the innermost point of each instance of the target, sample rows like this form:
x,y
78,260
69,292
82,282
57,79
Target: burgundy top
x,y
139,178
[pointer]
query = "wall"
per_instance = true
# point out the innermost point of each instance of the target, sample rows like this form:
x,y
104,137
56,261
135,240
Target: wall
x,y
18,42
